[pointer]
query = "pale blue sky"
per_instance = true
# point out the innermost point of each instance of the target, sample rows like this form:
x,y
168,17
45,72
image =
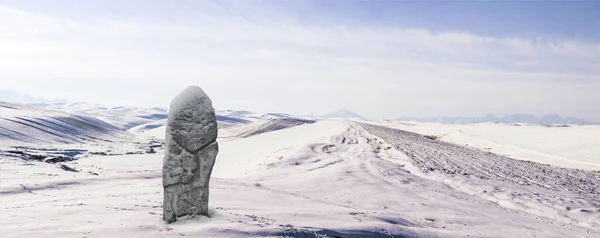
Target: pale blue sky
x,y
379,59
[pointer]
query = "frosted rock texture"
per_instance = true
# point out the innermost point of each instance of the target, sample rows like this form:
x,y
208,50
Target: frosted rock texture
x,y
190,153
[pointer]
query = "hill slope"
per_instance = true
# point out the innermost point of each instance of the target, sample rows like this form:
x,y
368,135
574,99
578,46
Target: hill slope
x,y
551,119
121,117
21,124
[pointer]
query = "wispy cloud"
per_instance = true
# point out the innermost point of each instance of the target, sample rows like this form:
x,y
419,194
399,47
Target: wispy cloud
x,y
377,70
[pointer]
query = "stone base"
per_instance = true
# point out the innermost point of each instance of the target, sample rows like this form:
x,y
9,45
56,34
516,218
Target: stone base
x,y
186,191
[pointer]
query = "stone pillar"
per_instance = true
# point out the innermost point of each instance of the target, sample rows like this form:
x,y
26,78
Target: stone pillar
x,y
190,153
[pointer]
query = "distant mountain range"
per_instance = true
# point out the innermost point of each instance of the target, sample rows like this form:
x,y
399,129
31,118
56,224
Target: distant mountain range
x,y
550,119
342,113
128,117
12,96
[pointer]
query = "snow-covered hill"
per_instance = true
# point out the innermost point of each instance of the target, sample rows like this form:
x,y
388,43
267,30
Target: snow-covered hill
x,y
228,130
571,147
332,178
21,124
262,126
250,116
550,119
136,119
148,126
232,123
277,175
121,117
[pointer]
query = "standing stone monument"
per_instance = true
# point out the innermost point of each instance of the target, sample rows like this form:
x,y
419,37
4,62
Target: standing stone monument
x,y
190,153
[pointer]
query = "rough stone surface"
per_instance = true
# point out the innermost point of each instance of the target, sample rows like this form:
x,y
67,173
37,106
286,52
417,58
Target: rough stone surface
x,y
191,150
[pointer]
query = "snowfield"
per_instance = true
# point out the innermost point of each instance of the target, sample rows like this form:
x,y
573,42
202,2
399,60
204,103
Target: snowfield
x,y
480,172
24,125
565,146
329,178
122,117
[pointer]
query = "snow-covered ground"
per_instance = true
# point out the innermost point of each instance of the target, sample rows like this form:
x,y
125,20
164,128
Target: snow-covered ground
x,y
282,176
496,178
121,117
326,179
23,125
571,147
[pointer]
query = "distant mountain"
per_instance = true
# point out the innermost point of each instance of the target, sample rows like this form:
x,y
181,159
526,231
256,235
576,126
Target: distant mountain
x,y
12,96
343,113
488,118
550,119
521,118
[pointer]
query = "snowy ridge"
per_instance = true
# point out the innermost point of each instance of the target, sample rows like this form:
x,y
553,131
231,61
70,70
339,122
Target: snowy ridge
x,y
148,126
232,124
229,127
137,120
250,116
550,119
121,117
570,147
262,126
275,125
21,124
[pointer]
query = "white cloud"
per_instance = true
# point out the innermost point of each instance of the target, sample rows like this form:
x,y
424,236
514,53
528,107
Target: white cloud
x,y
284,66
